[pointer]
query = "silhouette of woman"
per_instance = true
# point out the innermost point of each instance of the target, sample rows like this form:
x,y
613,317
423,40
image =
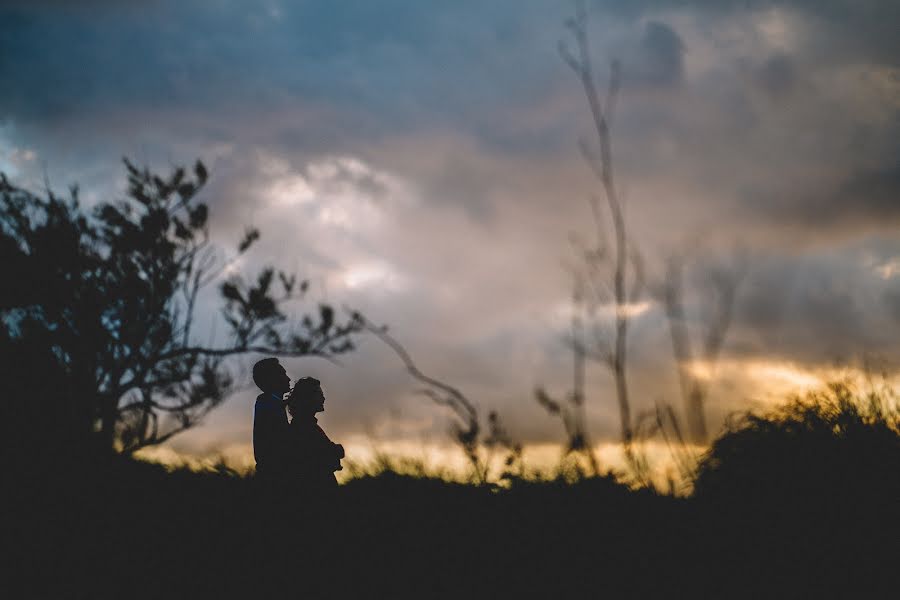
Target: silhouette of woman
x,y
314,456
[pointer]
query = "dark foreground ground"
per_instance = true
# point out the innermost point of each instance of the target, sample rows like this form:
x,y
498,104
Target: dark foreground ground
x,y
800,503
136,531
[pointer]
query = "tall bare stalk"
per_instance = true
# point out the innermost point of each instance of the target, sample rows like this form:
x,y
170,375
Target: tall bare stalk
x,y
572,413
624,259
717,308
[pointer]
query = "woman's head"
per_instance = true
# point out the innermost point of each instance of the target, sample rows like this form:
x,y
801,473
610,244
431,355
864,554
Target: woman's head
x,y
306,398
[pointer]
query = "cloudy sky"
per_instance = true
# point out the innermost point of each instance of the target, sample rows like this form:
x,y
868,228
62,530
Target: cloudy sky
x,y
419,161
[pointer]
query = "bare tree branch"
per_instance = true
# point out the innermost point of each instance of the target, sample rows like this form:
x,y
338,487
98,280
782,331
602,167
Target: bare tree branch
x,y
468,429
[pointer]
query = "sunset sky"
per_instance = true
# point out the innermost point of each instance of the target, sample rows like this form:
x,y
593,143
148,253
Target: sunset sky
x,y
419,161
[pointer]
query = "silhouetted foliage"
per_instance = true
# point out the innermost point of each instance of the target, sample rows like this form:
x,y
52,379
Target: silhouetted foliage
x,y
801,501
99,339
826,448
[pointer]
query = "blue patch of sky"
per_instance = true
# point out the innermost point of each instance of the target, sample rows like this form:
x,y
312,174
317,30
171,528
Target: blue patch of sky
x,y
402,63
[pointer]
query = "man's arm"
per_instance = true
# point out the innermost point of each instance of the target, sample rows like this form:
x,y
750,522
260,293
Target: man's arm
x,y
270,435
329,452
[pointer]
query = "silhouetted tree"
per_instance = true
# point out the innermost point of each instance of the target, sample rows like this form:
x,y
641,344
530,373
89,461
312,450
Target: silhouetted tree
x,y
99,309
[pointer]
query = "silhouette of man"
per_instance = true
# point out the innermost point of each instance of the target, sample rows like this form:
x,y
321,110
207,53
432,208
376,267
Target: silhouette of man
x,y
314,456
270,424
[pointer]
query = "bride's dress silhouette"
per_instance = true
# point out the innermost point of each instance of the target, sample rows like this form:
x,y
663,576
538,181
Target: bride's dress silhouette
x,y
314,457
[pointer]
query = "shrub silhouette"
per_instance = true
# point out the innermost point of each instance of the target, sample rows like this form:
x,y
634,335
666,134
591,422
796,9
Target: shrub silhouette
x,y
829,447
801,501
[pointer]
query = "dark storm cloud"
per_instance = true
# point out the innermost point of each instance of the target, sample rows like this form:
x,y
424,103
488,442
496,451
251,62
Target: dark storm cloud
x,y
892,302
875,192
817,309
851,29
394,58
863,199
660,60
777,75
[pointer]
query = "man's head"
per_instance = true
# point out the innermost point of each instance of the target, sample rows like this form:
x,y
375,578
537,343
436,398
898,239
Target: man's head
x,y
307,397
270,376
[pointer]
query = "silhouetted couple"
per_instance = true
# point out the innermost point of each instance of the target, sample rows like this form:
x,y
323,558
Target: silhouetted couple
x,y
295,453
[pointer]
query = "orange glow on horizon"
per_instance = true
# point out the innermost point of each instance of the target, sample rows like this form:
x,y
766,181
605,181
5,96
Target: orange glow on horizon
x,y
772,381
442,460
